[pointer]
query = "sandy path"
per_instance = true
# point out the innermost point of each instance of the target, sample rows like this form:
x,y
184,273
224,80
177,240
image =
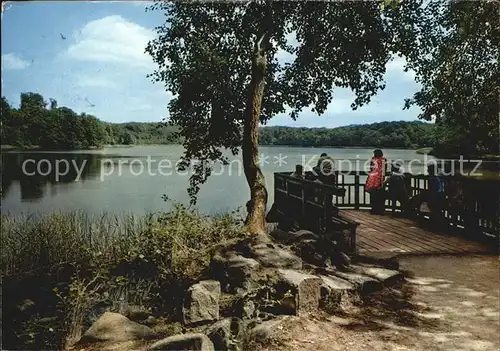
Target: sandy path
x,y
450,303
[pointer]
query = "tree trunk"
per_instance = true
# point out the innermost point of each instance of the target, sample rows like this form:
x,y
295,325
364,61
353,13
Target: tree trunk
x,y
256,218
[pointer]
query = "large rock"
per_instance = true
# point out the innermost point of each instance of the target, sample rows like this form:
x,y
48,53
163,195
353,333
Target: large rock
x,y
116,327
189,341
270,255
201,303
334,292
234,270
226,334
305,288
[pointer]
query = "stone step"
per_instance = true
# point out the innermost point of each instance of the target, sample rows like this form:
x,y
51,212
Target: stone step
x,y
384,275
363,282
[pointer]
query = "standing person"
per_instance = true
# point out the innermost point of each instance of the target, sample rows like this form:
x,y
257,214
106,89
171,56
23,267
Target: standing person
x,y
435,195
374,182
397,187
325,170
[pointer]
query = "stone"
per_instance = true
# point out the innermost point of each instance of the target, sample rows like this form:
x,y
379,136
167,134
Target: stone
x,y
333,283
189,341
364,282
267,329
201,303
226,334
334,292
305,288
386,276
234,270
269,255
116,327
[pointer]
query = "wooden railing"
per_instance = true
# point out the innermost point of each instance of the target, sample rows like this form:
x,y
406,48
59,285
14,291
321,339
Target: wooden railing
x,y
476,210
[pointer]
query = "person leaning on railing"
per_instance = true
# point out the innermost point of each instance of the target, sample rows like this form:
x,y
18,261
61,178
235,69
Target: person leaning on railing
x,y
374,182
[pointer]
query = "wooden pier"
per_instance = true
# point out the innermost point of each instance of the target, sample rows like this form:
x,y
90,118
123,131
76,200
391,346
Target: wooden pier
x,y
308,202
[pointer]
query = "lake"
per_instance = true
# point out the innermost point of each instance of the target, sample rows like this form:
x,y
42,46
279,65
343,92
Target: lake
x,y
133,179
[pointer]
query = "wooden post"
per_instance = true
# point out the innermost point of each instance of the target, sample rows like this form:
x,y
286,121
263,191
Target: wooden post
x,y
356,190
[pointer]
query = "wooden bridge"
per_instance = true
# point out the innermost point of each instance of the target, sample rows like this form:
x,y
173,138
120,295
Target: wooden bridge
x,y
472,218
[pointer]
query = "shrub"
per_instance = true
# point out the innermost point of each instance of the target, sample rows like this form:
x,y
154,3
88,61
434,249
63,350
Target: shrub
x,y
70,267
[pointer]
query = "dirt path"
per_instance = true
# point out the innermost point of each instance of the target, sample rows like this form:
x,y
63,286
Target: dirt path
x,y
450,303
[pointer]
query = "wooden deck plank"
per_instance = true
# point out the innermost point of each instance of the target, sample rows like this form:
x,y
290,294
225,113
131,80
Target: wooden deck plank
x,y
416,236
390,237
412,232
396,234
427,238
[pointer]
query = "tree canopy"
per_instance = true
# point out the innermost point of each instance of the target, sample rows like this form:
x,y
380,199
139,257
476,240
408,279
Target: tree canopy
x,y
456,60
221,62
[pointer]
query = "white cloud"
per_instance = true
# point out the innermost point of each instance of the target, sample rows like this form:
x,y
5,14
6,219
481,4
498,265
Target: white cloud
x,y
12,61
397,65
94,82
112,39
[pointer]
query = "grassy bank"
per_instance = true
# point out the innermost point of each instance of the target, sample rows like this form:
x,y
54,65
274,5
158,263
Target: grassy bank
x,y
60,271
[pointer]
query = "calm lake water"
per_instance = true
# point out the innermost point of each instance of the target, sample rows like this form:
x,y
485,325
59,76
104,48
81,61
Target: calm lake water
x,y
111,180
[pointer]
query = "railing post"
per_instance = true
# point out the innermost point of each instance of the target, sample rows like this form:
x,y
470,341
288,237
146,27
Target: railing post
x,y
356,190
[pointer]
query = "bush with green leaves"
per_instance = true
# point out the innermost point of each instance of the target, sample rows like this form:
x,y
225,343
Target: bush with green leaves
x,y
70,267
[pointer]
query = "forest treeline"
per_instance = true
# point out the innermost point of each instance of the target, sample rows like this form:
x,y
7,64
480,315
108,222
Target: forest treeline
x,y
38,123
43,124
385,134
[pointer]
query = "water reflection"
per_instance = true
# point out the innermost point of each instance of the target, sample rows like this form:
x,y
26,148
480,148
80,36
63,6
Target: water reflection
x,y
34,172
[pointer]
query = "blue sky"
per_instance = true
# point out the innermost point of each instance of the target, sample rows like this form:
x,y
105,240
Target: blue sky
x,y
100,67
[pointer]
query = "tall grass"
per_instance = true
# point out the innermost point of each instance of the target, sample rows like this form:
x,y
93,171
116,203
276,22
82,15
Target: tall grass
x,y
70,265
33,242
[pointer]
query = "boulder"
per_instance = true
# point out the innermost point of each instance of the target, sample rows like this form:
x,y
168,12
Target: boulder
x,y
272,256
189,341
305,288
226,334
334,292
233,270
201,303
116,327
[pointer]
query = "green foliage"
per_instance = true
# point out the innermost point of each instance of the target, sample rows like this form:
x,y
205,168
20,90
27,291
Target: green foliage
x,y
385,134
33,125
205,51
456,60
83,265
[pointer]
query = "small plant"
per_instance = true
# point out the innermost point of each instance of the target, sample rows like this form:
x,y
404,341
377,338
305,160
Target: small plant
x,y
83,266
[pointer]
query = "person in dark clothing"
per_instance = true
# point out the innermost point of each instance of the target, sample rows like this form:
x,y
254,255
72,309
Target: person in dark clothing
x,y
397,188
325,169
374,182
433,197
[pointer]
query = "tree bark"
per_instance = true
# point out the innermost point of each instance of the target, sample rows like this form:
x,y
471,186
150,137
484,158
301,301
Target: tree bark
x,y
256,218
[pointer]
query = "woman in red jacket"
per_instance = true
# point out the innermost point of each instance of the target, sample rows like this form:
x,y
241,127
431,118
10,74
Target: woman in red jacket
x,y
374,182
